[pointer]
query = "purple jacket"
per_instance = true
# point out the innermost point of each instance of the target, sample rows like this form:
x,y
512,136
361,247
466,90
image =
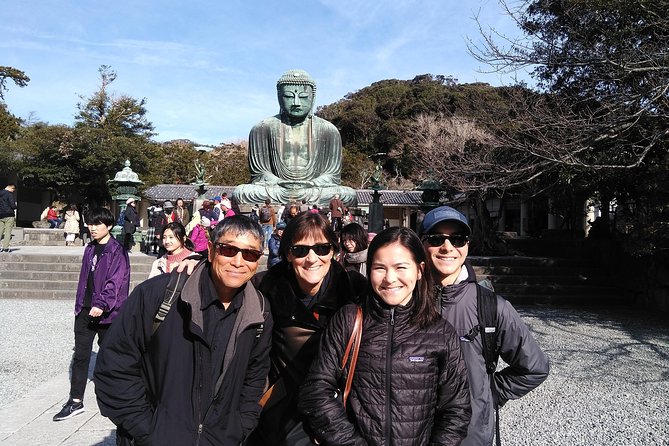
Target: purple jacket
x,y
111,280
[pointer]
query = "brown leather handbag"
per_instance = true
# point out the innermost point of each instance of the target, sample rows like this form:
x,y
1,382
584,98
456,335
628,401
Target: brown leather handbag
x,y
354,344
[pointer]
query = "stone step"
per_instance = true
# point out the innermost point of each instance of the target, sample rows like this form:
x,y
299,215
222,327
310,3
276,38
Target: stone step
x,y
63,267
567,279
54,276
568,299
553,289
525,261
12,293
11,279
501,270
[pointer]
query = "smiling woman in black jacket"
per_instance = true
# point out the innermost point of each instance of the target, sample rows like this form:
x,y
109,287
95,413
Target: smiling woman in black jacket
x,y
305,290
410,383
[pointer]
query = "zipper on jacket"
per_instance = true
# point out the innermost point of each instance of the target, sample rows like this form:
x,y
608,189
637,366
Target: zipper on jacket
x,y
389,349
199,397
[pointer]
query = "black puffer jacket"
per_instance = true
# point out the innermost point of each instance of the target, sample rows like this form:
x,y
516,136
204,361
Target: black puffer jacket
x,y
295,339
409,388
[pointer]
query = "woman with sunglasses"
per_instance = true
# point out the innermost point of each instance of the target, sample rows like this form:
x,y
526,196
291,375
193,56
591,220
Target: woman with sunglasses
x,y
410,381
178,247
305,290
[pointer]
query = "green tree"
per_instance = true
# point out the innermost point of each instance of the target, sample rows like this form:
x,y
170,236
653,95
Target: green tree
x,y
76,162
13,74
228,164
170,163
604,66
116,115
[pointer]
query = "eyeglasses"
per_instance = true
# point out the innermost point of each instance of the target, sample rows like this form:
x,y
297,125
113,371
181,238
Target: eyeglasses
x,y
299,251
457,240
250,255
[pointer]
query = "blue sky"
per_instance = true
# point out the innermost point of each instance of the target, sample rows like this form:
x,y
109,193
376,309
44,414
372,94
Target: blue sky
x,y
208,69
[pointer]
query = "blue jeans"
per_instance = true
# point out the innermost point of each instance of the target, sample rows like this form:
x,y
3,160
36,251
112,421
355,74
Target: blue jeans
x,y
267,230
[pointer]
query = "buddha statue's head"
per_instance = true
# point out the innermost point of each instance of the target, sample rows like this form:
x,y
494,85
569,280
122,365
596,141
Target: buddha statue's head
x,y
296,90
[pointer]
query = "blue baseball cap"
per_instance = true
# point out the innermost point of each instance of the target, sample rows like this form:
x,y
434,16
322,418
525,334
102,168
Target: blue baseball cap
x,y
217,198
444,213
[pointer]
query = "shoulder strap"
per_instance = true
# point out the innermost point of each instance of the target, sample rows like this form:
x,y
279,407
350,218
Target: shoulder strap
x,y
353,342
261,327
486,303
173,291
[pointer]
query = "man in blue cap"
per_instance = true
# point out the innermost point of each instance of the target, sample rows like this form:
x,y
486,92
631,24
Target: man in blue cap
x,y
445,233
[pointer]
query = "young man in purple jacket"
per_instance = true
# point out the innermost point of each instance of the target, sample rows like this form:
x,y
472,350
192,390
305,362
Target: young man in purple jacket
x,y
104,282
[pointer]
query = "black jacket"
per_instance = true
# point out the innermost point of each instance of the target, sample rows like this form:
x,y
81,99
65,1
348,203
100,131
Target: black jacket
x,y
295,340
158,387
130,220
7,203
409,387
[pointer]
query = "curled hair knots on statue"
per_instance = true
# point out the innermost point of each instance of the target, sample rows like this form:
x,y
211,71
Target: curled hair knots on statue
x,y
296,77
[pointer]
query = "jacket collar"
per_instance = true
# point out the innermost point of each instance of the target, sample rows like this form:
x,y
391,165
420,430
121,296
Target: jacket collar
x,y
381,311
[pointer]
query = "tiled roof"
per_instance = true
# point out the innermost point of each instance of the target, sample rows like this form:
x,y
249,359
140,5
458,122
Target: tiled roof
x,y
162,192
406,198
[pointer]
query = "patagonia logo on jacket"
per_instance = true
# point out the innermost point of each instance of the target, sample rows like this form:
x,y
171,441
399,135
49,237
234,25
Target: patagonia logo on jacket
x,y
416,358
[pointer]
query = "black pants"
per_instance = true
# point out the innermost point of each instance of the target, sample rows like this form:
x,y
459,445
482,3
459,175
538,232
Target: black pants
x,y
128,241
85,329
336,224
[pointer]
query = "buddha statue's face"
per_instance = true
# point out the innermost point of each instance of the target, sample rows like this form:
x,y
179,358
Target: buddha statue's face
x,y
296,101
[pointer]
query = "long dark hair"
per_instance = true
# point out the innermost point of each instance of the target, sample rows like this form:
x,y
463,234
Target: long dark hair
x,y
424,310
304,225
179,232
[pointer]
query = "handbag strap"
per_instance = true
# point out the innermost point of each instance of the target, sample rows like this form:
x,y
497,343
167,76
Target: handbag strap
x,y
353,342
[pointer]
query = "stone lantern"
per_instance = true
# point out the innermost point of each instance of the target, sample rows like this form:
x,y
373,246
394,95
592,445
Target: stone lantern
x,y
125,182
375,218
431,195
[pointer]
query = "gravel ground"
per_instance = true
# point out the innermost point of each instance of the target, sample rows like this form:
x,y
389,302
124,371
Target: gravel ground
x,y
37,342
608,385
609,381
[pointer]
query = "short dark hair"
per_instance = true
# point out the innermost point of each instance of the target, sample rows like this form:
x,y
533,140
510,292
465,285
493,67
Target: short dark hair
x,y
100,215
355,232
424,311
238,225
304,225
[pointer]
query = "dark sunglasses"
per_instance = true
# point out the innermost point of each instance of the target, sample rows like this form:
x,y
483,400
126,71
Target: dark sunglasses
x,y
457,240
250,255
299,251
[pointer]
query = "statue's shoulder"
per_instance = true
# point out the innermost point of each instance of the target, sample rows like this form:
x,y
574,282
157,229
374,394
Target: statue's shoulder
x,y
271,122
323,123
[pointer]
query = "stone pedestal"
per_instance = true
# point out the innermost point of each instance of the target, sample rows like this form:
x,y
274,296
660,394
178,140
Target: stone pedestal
x,y
375,216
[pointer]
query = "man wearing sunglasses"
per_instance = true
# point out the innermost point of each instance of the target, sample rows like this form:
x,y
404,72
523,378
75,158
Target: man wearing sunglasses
x,y
197,377
445,234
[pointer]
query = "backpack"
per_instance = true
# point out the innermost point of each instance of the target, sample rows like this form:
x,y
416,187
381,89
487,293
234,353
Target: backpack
x,y
265,214
121,219
158,220
486,304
